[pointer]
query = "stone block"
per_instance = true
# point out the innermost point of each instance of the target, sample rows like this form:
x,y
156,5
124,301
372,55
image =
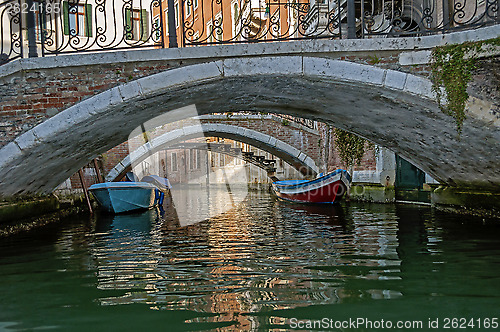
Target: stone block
x,y
372,193
287,65
311,164
180,76
9,153
26,140
130,90
257,136
343,70
288,149
415,58
113,174
419,86
395,79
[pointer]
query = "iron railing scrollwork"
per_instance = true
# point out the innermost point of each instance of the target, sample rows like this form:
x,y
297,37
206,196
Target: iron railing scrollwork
x,y
274,20
73,26
421,17
308,123
11,46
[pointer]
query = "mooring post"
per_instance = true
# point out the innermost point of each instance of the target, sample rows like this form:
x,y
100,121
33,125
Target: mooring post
x,y
97,172
80,174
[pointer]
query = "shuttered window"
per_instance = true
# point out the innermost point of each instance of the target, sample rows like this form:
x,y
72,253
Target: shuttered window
x,y
136,24
77,19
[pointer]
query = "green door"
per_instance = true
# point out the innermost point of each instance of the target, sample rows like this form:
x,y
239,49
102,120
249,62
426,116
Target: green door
x,y
407,175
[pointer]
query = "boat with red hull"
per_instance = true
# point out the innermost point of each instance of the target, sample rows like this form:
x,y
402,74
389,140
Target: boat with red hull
x,y
329,188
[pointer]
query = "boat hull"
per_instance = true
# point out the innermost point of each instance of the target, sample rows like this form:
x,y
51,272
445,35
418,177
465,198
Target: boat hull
x,y
120,197
327,189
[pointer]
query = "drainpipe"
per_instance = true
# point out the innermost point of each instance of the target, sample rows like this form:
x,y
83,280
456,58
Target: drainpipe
x,y
172,30
351,19
30,22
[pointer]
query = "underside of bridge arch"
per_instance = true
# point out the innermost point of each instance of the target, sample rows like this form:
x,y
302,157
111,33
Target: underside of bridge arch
x,y
301,161
393,109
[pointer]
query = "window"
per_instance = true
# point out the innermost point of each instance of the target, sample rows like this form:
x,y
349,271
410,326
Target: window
x,y
40,22
195,37
77,19
156,29
234,15
214,29
176,6
136,24
218,27
189,4
173,162
210,36
192,158
198,159
166,22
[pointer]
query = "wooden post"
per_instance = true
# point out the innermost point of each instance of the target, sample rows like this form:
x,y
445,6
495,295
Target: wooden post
x,y
80,174
97,172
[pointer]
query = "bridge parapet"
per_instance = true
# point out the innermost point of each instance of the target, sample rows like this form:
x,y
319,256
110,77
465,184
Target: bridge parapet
x,y
35,89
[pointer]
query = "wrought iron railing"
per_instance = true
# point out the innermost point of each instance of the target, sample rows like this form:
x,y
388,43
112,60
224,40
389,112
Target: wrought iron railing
x,y
311,124
51,27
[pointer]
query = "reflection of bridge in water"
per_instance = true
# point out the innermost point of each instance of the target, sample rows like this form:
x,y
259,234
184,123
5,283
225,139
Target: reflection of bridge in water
x,y
242,262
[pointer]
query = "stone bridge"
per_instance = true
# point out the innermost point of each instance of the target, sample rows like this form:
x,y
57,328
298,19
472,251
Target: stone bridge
x,y
58,113
293,143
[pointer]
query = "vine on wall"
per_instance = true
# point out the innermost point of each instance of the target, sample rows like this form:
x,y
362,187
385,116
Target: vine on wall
x,y
351,147
452,67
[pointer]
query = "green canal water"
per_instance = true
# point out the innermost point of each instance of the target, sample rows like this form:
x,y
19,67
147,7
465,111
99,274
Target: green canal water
x,y
262,265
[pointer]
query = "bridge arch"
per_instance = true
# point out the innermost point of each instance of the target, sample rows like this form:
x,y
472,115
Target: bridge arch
x,y
302,162
393,109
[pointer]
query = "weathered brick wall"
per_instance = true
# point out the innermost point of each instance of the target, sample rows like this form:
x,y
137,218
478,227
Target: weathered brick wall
x,y
328,151
27,98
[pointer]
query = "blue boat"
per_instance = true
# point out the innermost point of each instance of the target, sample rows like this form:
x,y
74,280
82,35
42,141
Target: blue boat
x,y
119,197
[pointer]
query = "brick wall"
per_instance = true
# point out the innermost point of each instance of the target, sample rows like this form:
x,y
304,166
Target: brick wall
x,y
30,97
328,151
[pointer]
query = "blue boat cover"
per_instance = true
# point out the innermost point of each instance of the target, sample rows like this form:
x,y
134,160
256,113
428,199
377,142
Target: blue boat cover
x,y
162,183
131,177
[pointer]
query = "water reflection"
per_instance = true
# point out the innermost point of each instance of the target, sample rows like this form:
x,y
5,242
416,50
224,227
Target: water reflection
x,y
256,265
260,255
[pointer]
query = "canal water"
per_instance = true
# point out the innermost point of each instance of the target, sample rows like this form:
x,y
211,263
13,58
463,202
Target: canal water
x,y
260,265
